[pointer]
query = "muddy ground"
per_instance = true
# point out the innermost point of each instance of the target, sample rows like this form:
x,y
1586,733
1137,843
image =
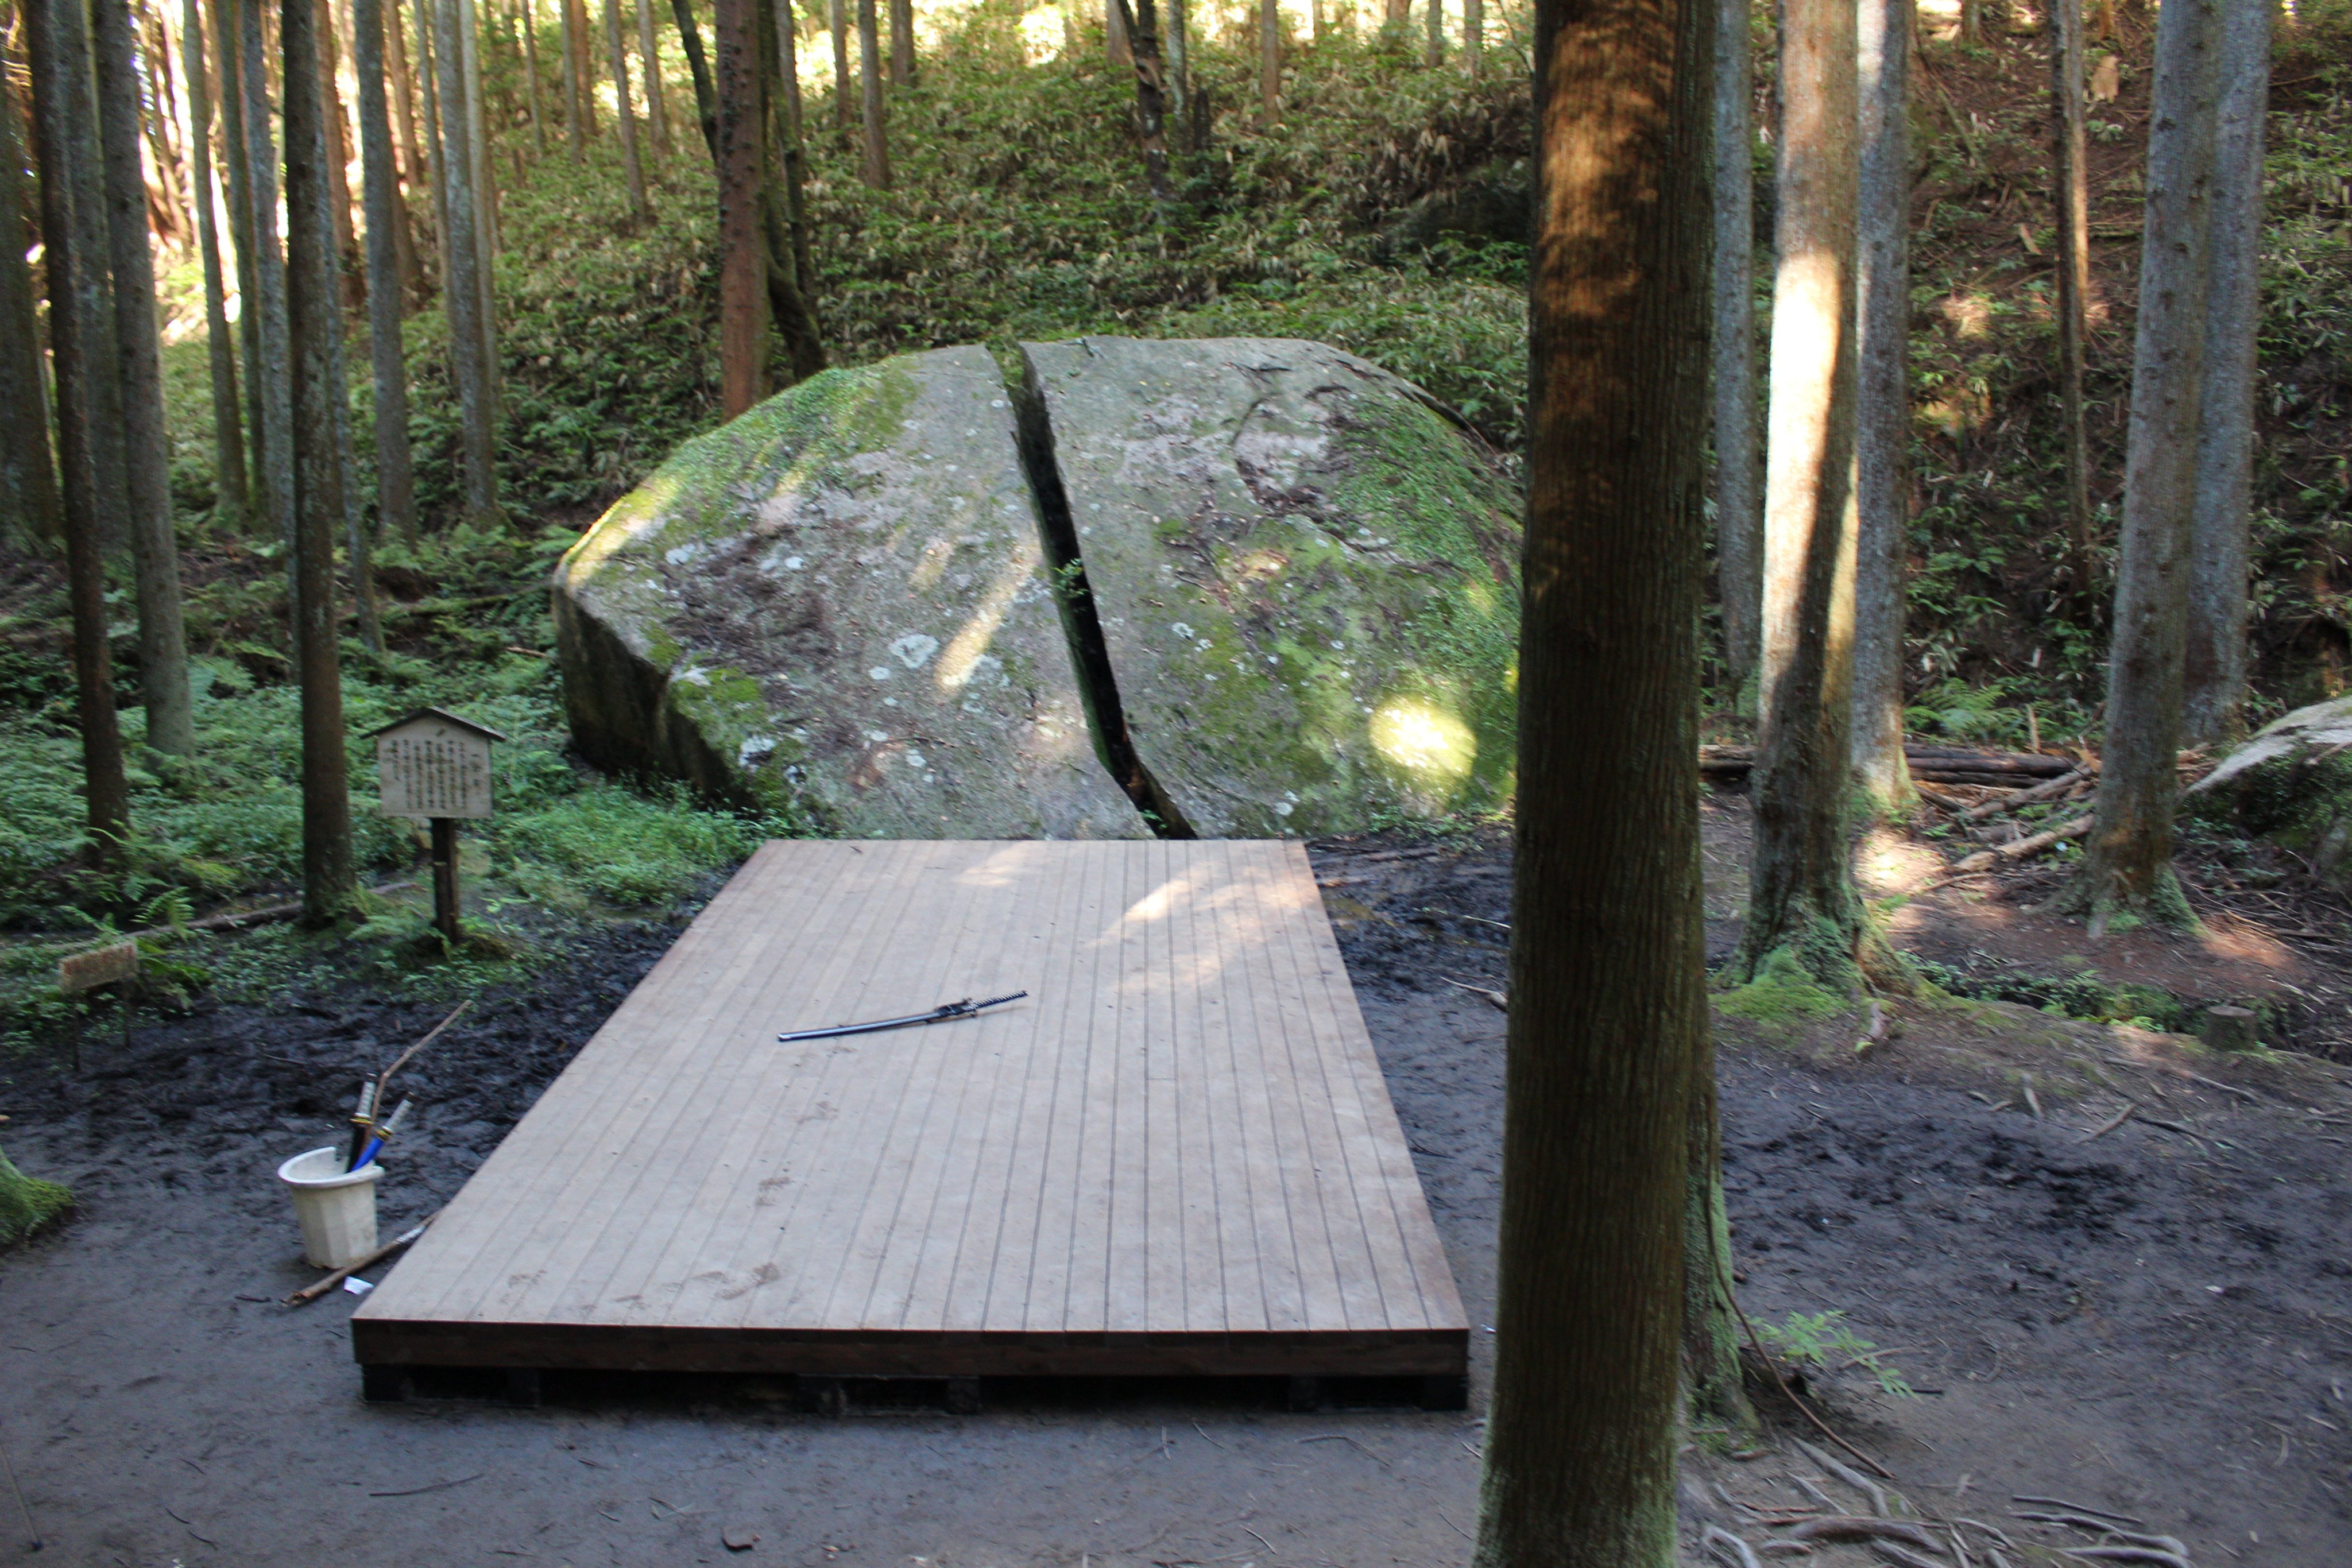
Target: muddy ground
x,y
2156,1323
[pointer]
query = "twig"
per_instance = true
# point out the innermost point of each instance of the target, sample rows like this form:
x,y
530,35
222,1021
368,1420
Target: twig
x,y
1441,1513
1899,1557
437,1485
1986,860
1717,1539
401,1059
2031,1099
2112,1123
1343,1437
310,1294
2040,792
2127,1554
1502,1003
2069,1507
1756,1343
32,1530
1846,1473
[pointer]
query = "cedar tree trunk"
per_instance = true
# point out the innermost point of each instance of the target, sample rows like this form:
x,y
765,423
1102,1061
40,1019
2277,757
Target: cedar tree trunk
x,y
274,440
461,290
1151,97
876,168
1883,416
29,508
395,468
2070,197
617,58
649,56
1739,502
228,436
743,253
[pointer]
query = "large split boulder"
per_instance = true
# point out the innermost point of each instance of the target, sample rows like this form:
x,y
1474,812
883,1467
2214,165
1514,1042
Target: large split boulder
x,y
1236,588
2292,783
1306,574
836,607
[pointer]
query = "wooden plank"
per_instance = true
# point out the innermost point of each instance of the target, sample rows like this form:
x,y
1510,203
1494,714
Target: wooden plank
x,y
1178,1156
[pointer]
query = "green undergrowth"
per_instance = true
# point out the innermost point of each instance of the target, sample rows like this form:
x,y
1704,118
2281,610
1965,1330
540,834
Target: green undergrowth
x,y
1783,995
2078,994
27,1203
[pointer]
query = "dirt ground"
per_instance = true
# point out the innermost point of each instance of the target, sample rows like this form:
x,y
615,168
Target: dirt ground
x,y
2155,1322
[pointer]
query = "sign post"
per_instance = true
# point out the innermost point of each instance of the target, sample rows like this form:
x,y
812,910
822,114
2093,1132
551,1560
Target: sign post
x,y
435,766
116,965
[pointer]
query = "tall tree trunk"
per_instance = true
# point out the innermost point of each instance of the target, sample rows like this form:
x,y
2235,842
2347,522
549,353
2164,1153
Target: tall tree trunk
x,y
743,251
902,43
876,168
617,58
1473,36
350,270
227,30
229,437
1609,1008
2071,199
30,513
461,290
274,441
529,15
1176,49
1714,1380
1433,20
1269,61
1738,506
436,144
73,229
579,86
837,18
139,367
403,234
482,176
791,157
2215,671
1117,53
1800,888
649,56
1883,417
2126,868
395,478
788,261
1151,99
315,313
706,100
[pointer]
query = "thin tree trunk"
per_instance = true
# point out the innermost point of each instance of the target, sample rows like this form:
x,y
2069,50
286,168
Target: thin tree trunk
x,y
1713,1377
395,479
30,511
483,179
791,156
578,124
229,51
64,149
2126,868
876,168
1883,416
742,277
139,365
412,264
1739,507
350,270
229,437
1800,890
2071,200
314,310
1117,51
1176,48
436,144
837,18
1434,17
617,58
649,56
528,14
2215,671
902,43
1269,61
788,306
461,291
1609,1008
1473,36
1150,100
706,100
159,131
275,440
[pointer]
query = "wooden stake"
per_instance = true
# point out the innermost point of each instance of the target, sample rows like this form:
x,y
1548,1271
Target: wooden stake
x,y
444,877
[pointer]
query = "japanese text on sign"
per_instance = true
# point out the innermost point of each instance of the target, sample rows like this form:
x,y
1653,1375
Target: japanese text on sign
x,y
430,771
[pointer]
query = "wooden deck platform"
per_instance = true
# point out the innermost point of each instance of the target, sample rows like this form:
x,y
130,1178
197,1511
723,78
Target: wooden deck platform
x,y
1178,1156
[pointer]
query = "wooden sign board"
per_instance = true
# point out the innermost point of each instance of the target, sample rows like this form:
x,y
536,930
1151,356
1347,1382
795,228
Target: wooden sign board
x,y
435,764
100,966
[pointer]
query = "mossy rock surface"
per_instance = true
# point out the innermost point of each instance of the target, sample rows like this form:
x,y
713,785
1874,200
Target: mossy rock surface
x,y
836,607
2292,783
1306,576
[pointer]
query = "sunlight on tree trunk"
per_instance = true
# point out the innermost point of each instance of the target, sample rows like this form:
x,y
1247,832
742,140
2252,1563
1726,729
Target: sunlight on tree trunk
x,y
1883,410
649,57
1609,1009
1800,888
1151,99
837,21
30,517
1739,507
743,258
1474,36
64,151
2071,263
876,170
220,347
527,12
1175,50
395,473
2215,671
616,60
902,43
1269,62
706,100
2125,874
274,436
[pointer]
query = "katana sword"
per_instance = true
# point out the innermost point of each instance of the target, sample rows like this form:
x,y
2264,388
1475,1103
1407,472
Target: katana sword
x,y
944,1012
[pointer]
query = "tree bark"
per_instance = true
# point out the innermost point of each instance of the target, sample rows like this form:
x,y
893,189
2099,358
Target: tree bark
x,y
483,181
1738,506
228,436
837,18
616,60
706,103
1801,891
2071,263
30,512
790,155
1176,50
2215,671
1712,1379
412,264
743,252
395,466
2126,872
139,369
64,149
348,269
1433,48
229,51
1117,53
1609,1008
876,170
315,313
461,290
579,82
649,56
902,43
436,144
1883,416
1150,99
1269,61
1473,36
275,440
528,14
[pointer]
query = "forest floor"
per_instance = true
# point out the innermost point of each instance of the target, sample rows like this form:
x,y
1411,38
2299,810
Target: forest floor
x,y
2153,1321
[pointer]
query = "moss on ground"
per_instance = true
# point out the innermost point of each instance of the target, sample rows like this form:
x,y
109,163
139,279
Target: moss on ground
x,y
1782,996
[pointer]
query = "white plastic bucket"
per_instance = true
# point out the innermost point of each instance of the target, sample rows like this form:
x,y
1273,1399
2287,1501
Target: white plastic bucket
x,y
336,1207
